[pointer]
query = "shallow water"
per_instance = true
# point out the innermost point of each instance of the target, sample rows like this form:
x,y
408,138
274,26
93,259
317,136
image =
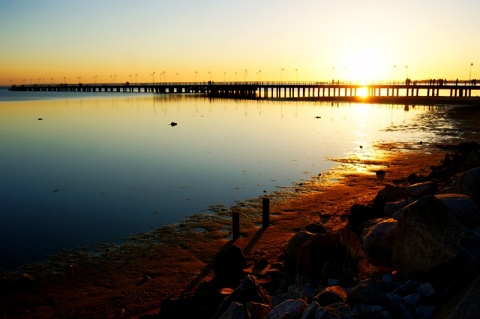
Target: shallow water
x,y
82,169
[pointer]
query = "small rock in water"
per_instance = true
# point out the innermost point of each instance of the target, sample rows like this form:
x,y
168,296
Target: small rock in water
x,y
173,124
380,175
40,119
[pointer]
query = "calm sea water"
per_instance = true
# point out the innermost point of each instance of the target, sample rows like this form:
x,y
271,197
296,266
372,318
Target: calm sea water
x,y
88,168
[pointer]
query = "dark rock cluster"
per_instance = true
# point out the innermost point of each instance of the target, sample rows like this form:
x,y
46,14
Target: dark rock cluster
x,y
413,253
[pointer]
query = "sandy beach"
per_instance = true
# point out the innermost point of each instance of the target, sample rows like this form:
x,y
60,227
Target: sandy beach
x,y
131,279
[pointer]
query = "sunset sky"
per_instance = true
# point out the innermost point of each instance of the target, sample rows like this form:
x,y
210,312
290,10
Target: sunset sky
x,y
309,40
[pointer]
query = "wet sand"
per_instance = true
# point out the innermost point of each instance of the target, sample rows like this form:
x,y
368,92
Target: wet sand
x,y
131,279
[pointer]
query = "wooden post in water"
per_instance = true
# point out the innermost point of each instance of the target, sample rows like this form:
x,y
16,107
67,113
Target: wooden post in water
x,y
266,212
235,224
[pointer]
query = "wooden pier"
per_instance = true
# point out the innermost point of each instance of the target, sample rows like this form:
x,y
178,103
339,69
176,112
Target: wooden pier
x,y
268,90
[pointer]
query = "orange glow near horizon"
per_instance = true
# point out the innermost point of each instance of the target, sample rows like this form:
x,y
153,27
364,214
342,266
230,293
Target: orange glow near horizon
x,y
44,42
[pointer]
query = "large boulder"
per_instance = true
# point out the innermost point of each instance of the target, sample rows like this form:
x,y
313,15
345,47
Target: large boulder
x,y
468,183
341,248
427,235
393,207
359,214
317,251
229,265
292,249
331,295
472,160
389,194
463,207
421,189
248,291
378,242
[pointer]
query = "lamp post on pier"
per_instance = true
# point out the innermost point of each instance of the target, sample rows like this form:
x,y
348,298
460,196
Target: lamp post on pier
x,y
470,76
153,78
296,70
394,68
196,76
281,74
406,71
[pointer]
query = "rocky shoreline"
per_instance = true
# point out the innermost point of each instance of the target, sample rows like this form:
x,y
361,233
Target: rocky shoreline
x,y
413,252
175,270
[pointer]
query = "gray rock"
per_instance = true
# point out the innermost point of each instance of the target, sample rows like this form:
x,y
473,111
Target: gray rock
x,y
426,289
429,236
395,299
288,309
257,310
306,291
389,283
468,183
367,294
409,287
248,290
293,247
412,299
309,313
234,311
472,160
378,242
463,207
421,189
331,295
392,207
229,265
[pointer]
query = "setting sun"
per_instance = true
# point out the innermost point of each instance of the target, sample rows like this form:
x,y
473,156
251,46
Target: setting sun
x,y
365,63
362,92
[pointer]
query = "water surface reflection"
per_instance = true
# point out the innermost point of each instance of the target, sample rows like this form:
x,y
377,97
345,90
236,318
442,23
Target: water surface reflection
x,y
98,168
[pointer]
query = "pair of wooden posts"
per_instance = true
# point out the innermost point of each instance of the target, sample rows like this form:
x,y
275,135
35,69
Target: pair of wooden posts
x,y
265,218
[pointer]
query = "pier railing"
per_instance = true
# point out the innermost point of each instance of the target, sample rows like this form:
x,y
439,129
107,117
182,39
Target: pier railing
x,y
279,89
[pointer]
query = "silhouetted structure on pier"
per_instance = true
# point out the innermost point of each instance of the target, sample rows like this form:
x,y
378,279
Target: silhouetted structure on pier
x,y
265,90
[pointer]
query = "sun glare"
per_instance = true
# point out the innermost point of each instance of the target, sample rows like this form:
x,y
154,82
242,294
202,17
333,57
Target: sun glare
x,y
365,63
362,92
